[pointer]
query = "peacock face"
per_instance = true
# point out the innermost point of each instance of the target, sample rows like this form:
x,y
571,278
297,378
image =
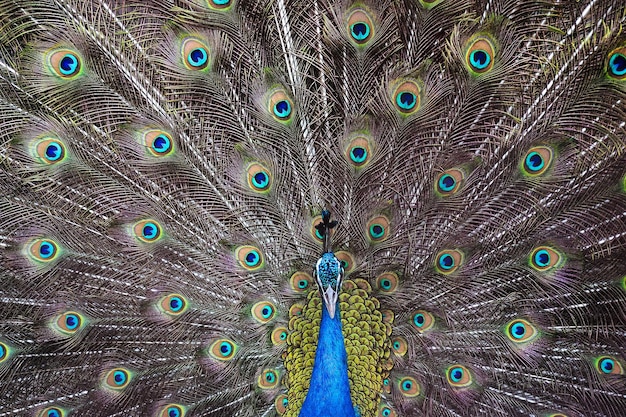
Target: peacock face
x,y
329,274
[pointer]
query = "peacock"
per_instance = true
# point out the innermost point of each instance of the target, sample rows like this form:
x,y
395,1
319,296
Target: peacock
x,y
312,208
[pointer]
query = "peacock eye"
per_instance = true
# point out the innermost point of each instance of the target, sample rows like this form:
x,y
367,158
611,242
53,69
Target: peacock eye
x,y
172,410
49,151
52,412
4,352
544,258
400,346
387,282
147,231
537,160
449,182
406,97
458,376
479,55
521,331
378,229
279,335
280,105
158,142
263,311
281,404
249,257
223,349
609,366
173,304
195,54
386,411
358,152
64,63
117,379
423,320
43,250
448,261
268,379
300,281
219,4
409,387
259,178
347,260
617,64
360,27
69,323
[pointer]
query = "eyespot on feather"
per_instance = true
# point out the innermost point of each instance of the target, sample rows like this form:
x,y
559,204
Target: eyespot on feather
x,y
545,258
221,5
69,323
263,311
281,402
249,257
5,352
64,63
49,151
400,346
280,105
117,379
159,143
458,376
300,281
52,412
385,411
479,55
268,379
279,335
448,261
387,282
449,182
172,410
521,331
422,320
359,151
223,350
173,305
378,229
259,178
43,250
347,260
537,161
406,97
409,387
195,54
147,231
616,64
360,26
609,365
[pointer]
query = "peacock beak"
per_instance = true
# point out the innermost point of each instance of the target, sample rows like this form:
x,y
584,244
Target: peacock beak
x,y
330,300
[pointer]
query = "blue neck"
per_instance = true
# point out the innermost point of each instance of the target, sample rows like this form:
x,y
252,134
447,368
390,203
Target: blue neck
x,y
329,391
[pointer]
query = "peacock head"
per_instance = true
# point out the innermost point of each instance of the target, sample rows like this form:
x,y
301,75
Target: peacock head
x,y
328,270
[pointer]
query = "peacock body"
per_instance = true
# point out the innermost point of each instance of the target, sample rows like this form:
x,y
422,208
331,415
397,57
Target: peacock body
x,y
312,208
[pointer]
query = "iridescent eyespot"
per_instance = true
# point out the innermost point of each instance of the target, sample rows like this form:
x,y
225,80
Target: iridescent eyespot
x,y
423,320
537,160
521,331
69,323
295,310
300,281
259,178
279,335
400,346
117,379
173,304
388,316
268,379
158,142
449,182
616,66
172,410
52,412
544,258
263,311
280,105
223,349
378,229
195,54
281,404
386,411
359,151
458,376
448,261
387,282
49,151
406,97
147,231
347,260
249,257
409,387
609,365
219,4
43,250
479,55
4,352
64,63
360,27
